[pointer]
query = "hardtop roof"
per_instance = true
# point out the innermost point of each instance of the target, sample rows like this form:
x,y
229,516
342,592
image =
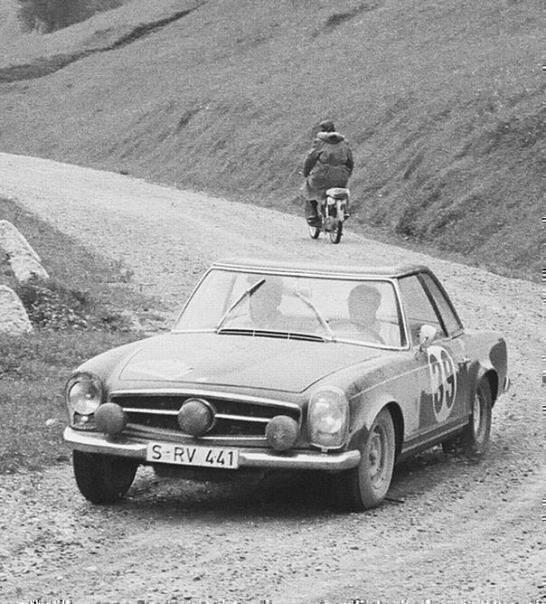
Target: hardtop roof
x,y
318,268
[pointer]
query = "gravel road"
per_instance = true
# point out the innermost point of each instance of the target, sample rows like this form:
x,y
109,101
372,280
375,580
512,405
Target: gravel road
x,y
452,530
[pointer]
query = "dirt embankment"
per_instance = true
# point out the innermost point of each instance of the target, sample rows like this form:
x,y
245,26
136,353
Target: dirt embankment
x,y
451,530
442,103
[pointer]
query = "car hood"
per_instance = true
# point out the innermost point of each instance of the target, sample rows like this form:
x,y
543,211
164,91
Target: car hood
x,y
235,360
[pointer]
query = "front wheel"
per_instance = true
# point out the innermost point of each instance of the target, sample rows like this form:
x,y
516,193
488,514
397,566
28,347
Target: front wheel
x,y
366,485
102,478
336,232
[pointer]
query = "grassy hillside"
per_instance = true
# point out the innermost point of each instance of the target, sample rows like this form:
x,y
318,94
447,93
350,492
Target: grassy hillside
x,y
441,99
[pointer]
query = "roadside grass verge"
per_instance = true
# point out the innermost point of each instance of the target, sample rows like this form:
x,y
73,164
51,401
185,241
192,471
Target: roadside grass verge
x,y
34,369
72,266
81,311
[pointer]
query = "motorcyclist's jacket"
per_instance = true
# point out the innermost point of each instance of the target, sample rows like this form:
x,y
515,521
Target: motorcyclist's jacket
x,y
328,164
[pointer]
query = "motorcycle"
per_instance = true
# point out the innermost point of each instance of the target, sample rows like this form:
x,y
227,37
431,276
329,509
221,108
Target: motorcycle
x,y
332,211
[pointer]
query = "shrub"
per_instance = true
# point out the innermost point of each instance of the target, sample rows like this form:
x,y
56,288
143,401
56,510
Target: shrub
x,y
50,304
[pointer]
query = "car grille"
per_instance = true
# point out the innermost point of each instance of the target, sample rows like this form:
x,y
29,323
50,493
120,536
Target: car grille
x,y
234,417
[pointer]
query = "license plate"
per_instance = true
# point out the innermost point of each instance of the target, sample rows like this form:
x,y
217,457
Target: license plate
x,y
190,455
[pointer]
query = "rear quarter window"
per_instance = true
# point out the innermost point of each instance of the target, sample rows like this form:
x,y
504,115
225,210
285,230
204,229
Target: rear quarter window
x,y
418,308
449,318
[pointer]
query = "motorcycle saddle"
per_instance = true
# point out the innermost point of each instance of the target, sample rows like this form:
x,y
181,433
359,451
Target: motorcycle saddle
x,y
338,193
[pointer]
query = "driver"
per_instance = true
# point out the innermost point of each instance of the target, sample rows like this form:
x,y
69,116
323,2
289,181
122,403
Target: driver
x,y
363,304
264,305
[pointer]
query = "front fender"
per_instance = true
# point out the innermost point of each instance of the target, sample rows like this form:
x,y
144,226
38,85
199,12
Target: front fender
x,y
364,412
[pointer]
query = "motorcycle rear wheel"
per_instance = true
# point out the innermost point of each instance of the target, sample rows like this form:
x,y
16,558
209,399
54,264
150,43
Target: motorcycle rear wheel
x,y
336,232
314,231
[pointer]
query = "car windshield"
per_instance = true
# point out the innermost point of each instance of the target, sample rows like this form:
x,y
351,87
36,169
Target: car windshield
x,y
253,303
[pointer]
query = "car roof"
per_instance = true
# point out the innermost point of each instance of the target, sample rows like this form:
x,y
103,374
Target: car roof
x,y
318,268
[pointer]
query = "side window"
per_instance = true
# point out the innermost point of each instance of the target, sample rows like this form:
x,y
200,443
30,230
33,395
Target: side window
x,y
449,318
419,310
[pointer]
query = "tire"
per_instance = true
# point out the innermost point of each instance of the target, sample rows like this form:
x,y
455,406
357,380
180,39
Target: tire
x,y
450,445
335,235
366,485
103,478
475,437
314,231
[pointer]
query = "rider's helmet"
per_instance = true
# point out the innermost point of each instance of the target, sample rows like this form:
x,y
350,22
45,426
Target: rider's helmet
x,y
327,126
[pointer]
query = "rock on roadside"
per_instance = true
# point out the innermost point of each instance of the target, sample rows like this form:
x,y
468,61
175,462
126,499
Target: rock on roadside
x,y
25,264
13,316
24,261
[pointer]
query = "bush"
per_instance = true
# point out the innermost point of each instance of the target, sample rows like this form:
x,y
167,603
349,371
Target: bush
x,y
49,304
47,16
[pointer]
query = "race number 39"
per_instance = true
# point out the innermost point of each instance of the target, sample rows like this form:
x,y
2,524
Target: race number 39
x,y
443,381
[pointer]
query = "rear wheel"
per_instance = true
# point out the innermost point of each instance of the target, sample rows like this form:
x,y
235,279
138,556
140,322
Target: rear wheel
x,y
335,234
314,231
366,485
103,478
475,437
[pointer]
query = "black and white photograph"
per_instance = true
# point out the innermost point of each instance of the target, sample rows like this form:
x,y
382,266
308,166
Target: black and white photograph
x,y
271,301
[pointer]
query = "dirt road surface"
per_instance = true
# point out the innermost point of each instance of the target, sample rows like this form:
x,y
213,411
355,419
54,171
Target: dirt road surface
x,y
452,530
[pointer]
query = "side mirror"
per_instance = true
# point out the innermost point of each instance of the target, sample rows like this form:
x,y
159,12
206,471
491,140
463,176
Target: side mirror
x,y
427,333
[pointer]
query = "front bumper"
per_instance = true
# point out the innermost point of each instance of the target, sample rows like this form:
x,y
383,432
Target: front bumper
x,y
93,442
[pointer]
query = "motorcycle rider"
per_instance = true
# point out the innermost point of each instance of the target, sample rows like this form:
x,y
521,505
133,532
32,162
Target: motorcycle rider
x,y
328,164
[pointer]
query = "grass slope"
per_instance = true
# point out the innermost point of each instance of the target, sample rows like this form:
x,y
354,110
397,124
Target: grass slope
x,y
441,99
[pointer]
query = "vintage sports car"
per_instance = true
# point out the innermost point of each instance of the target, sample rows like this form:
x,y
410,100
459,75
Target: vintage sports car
x,y
287,366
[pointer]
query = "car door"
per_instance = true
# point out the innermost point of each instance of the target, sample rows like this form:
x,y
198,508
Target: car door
x,y
442,403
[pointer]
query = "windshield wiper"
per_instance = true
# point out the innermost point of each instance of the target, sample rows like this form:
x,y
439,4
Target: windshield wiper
x,y
247,292
320,318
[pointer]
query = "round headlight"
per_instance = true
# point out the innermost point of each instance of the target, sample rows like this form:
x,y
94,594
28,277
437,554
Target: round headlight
x,y
328,418
84,393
